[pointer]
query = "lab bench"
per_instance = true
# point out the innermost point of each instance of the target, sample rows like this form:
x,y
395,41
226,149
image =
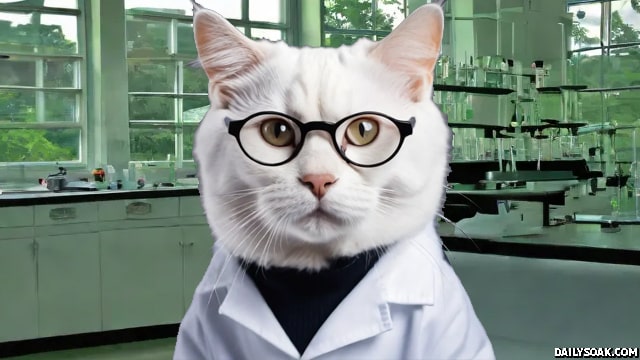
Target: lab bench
x,y
95,263
86,262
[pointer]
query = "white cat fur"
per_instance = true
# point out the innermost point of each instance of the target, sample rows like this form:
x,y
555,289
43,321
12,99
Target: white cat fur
x,y
254,211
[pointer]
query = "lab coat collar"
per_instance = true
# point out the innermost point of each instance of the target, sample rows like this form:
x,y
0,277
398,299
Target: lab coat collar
x,y
240,305
404,276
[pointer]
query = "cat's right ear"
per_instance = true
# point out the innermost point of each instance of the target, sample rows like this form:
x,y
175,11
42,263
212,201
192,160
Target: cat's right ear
x,y
223,51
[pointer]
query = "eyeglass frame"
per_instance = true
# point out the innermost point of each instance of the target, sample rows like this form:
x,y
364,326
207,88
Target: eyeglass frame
x,y
405,128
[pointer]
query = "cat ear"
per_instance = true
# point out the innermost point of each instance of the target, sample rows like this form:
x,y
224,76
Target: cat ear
x,y
223,51
413,47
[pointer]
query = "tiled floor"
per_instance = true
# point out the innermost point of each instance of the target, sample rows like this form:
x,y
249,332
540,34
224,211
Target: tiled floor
x,y
144,350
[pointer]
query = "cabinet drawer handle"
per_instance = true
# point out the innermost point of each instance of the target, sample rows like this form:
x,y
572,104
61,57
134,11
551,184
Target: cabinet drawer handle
x,y
62,213
138,208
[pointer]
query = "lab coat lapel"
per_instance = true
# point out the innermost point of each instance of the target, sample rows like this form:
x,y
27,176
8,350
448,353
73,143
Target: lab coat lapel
x,y
244,304
361,315
404,276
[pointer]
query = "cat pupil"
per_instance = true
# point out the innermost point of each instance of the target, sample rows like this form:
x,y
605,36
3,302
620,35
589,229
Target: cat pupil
x,y
279,130
364,127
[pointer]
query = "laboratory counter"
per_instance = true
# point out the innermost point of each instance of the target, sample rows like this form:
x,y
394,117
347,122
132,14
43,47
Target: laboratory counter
x,y
583,242
579,242
104,245
30,198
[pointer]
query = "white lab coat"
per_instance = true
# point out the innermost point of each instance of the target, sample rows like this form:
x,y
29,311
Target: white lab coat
x,y
410,305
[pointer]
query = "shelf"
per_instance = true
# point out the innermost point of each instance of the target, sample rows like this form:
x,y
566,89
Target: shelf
x,y
488,129
558,89
622,88
531,129
472,89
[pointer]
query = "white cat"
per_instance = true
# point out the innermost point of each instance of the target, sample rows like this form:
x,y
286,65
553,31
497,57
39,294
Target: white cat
x,y
284,186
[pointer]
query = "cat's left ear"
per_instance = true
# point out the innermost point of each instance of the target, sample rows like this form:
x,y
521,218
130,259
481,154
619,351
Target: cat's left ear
x,y
413,47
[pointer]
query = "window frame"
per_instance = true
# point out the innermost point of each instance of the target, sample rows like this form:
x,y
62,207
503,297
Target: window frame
x,y
605,32
40,91
180,61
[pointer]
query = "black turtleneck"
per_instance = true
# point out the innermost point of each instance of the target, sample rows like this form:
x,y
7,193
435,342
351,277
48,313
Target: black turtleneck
x,y
303,300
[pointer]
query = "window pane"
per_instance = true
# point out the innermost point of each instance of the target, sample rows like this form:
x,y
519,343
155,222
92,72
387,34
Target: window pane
x,y
186,42
64,4
351,15
389,14
60,73
625,22
585,68
21,72
623,106
55,34
195,79
586,25
151,144
22,145
151,108
189,135
17,106
61,107
17,73
268,34
147,38
195,108
621,69
227,8
266,10
591,107
151,76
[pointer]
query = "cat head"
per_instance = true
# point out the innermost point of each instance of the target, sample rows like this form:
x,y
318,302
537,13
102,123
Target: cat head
x,y
325,201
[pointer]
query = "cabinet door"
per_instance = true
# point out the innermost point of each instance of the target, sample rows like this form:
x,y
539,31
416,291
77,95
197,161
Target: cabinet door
x,y
198,244
18,300
141,277
68,284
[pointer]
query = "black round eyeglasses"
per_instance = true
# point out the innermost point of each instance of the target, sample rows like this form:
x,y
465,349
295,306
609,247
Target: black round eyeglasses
x,y
365,139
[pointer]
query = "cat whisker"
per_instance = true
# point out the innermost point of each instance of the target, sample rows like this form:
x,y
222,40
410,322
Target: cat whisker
x,y
274,234
231,235
441,216
448,187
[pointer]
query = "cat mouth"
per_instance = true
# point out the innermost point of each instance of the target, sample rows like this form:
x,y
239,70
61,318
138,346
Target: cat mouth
x,y
322,215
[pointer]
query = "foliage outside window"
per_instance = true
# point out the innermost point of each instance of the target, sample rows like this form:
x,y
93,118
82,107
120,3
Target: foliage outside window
x,y
606,54
345,21
167,92
41,99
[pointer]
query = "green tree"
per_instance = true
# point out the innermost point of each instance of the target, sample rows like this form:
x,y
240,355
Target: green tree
x,y
356,15
581,37
31,145
620,31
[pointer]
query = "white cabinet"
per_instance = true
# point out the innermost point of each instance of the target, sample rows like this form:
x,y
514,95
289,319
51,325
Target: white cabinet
x,y
141,277
198,245
68,284
18,299
97,266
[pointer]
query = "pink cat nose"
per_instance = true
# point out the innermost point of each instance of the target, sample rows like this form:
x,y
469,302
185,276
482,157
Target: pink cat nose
x,y
318,183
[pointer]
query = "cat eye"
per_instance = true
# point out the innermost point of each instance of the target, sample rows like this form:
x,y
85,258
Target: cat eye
x,y
277,132
362,131
365,139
